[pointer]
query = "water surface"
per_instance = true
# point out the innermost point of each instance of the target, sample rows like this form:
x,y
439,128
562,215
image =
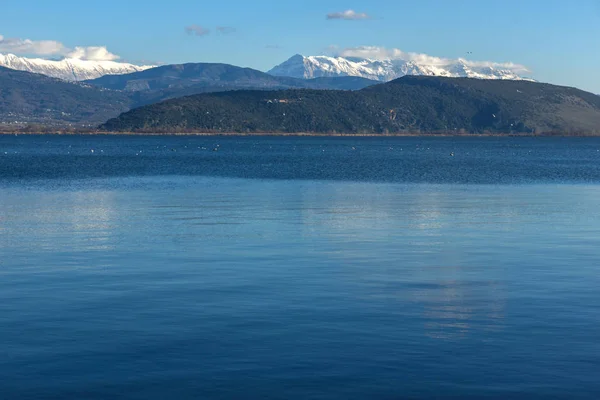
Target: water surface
x,y
293,268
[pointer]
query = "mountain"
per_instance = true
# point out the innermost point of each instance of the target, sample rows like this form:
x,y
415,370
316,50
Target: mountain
x,y
412,104
186,75
171,81
217,77
383,70
27,98
69,69
34,98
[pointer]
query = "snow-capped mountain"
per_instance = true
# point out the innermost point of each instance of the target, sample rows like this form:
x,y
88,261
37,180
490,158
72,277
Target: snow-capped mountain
x,y
69,69
385,70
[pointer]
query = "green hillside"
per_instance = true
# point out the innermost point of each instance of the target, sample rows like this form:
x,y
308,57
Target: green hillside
x,y
27,97
407,105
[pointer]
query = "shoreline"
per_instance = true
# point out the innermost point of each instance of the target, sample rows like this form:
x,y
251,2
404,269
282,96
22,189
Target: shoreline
x,y
295,134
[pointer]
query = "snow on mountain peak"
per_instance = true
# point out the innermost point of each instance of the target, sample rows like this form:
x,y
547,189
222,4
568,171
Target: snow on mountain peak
x,y
386,69
69,69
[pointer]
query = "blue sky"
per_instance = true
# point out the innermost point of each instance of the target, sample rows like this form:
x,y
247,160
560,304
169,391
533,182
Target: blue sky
x,y
559,41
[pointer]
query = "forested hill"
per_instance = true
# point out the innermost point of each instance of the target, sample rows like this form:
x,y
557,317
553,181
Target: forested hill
x,y
29,97
412,104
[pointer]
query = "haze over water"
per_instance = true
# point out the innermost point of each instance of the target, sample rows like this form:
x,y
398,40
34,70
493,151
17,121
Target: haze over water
x,y
293,268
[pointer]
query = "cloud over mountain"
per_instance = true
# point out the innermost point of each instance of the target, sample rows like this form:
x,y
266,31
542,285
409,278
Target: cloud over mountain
x,y
27,46
93,53
349,15
54,48
382,53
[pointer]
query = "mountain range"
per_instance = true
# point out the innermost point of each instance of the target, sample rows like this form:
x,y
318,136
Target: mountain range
x,y
34,98
411,104
68,69
322,95
298,66
385,70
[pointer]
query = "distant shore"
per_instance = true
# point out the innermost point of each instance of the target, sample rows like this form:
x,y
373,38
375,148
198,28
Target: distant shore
x,y
60,132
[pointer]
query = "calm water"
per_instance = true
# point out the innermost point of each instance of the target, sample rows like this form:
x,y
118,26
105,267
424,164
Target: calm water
x,y
296,268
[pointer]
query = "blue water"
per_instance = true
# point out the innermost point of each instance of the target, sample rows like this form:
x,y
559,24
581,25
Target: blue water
x,y
296,268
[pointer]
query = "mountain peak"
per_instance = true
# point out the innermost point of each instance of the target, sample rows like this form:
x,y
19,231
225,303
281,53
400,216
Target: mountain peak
x,y
69,69
385,70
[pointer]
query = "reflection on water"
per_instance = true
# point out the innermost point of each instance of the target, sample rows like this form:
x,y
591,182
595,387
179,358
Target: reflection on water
x,y
322,289
454,307
72,220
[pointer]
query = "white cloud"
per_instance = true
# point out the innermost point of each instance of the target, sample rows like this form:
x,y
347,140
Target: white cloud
x,y
92,53
54,48
349,15
382,53
196,30
27,46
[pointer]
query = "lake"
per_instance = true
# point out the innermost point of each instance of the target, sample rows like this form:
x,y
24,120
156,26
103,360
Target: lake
x,y
183,267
